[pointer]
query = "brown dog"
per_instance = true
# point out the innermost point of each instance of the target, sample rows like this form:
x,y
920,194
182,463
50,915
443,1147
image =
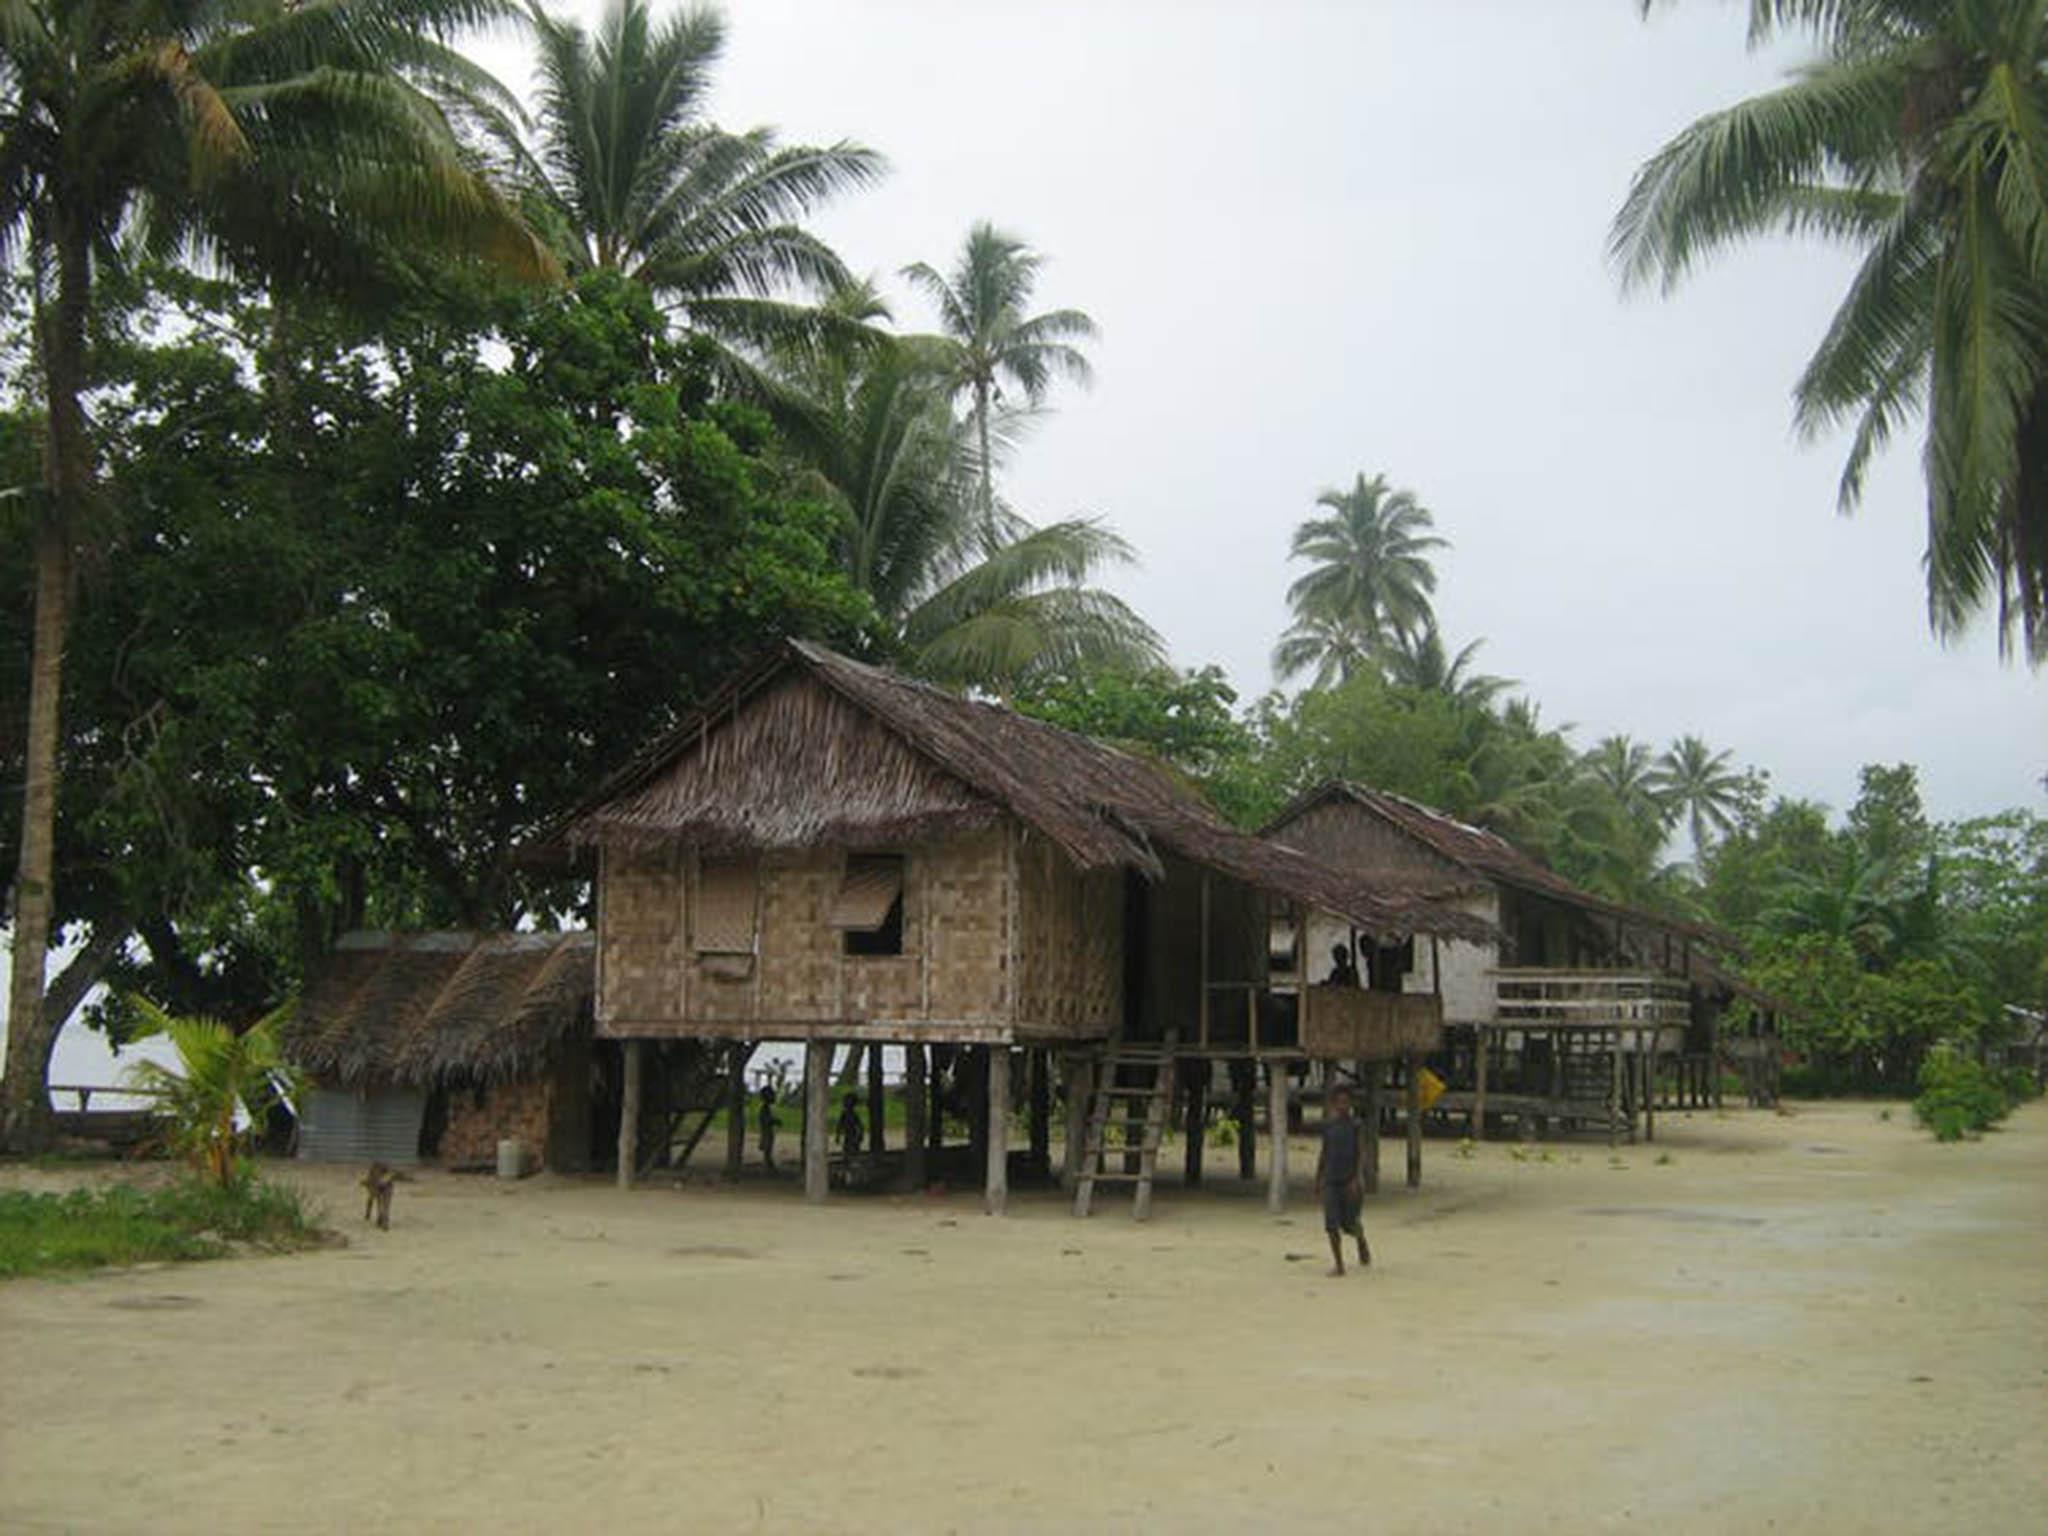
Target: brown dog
x,y
379,1182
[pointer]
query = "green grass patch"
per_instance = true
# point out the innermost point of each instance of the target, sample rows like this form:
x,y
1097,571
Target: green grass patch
x,y
123,1224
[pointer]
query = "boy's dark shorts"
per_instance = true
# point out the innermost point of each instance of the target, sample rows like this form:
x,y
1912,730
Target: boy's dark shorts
x,y
1340,1208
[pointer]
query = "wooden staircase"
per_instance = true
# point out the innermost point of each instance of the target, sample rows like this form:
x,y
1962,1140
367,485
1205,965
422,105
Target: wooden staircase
x,y
1110,1095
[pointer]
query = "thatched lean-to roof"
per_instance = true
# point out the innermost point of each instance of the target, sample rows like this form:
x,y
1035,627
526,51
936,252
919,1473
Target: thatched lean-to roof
x,y
426,1008
811,749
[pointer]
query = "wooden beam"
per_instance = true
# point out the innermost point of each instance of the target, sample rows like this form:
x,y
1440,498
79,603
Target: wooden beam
x,y
629,1113
997,1197
1202,988
1195,1121
1276,1114
1414,1120
817,1112
1650,1087
913,1116
1370,1073
878,1104
1479,1090
1080,1076
736,1115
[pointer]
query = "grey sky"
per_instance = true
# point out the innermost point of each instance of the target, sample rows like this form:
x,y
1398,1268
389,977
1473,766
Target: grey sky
x,y
1325,238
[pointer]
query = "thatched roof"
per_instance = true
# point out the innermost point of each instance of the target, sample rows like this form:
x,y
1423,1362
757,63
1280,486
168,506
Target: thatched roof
x,y
1478,855
426,1008
810,749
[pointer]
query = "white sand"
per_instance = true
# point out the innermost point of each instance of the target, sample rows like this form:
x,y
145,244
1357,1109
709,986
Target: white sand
x,y
1816,1323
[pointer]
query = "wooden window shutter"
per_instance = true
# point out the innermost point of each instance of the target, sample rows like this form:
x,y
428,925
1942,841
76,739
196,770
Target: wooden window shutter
x,y
727,900
872,885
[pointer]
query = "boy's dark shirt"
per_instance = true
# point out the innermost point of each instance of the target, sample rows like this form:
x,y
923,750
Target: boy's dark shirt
x,y
1340,1150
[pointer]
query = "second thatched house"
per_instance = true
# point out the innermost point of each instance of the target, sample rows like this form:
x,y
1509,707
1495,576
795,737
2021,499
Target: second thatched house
x,y
440,1045
830,853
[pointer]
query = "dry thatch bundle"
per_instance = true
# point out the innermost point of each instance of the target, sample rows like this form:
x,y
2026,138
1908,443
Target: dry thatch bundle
x,y
811,749
422,1009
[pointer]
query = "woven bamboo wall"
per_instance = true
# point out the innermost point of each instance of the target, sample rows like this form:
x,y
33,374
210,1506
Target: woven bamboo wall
x,y
1356,841
1349,1024
954,968
1070,945
640,923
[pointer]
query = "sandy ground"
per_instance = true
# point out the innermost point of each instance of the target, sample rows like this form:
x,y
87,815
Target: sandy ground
x,y
1821,1322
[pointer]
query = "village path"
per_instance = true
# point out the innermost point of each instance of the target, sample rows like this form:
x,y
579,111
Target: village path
x,y
1814,1323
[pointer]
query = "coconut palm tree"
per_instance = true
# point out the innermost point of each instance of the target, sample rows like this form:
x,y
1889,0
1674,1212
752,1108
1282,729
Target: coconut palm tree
x,y
1920,139
1699,784
1333,650
225,1085
625,174
965,600
1372,576
306,140
1421,660
993,342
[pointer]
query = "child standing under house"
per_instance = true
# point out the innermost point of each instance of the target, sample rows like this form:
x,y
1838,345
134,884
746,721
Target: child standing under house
x,y
850,1137
1340,1178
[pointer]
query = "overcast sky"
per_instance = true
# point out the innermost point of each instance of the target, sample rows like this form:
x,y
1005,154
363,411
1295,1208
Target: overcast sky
x,y
1330,238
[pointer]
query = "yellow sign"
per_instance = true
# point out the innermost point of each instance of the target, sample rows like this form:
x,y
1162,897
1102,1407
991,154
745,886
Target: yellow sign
x,y
1430,1085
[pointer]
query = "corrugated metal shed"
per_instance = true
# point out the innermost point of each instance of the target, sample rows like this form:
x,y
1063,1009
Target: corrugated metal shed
x,y
380,1124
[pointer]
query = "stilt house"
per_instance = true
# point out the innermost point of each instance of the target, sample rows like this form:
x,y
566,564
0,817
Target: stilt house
x,y
1578,1011
830,853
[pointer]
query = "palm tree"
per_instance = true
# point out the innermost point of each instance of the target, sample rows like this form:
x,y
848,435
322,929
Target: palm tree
x,y
276,137
1334,648
1420,660
625,175
1920,139
225,1086
1698,784
964,600
1372,575
992,341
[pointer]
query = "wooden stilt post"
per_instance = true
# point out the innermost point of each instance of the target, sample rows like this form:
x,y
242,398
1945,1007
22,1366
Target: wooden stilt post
x,y
1650,1086
1244,1085
1414,1120
1369,1107
736,1114
913,1117
1080,1082
1276,1115
878,1104
1714,1060
935,1098
1196,1121
998,1193
629,1114
1614,1097
1479,1092
817,1113
1040,1063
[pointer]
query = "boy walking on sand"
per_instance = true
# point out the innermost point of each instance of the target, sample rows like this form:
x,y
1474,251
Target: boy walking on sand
x,y
1340,1177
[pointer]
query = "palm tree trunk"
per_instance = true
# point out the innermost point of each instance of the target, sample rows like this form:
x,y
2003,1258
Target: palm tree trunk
x,y
31,1031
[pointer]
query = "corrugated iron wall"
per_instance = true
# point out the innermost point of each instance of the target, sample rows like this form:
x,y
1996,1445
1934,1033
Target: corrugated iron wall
x,y
377,1125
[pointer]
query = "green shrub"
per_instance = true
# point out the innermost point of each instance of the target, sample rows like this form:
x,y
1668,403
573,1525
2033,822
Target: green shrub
x,y
190,1218
2018,1085
1958,1097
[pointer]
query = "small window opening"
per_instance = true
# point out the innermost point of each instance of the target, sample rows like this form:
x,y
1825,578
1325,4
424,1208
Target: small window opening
x,y
869,907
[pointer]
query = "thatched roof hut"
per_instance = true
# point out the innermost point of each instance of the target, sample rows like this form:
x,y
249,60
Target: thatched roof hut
x,y
430,1008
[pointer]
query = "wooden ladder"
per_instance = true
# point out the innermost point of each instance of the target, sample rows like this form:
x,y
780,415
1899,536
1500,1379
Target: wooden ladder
x,y
1108,1095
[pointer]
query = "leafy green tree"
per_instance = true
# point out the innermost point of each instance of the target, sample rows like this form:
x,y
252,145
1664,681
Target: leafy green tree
x,y
301,142
1370,579
1184,719
625,175
990,339
1702,786
225,1085
1332,651
1920,139
326,689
